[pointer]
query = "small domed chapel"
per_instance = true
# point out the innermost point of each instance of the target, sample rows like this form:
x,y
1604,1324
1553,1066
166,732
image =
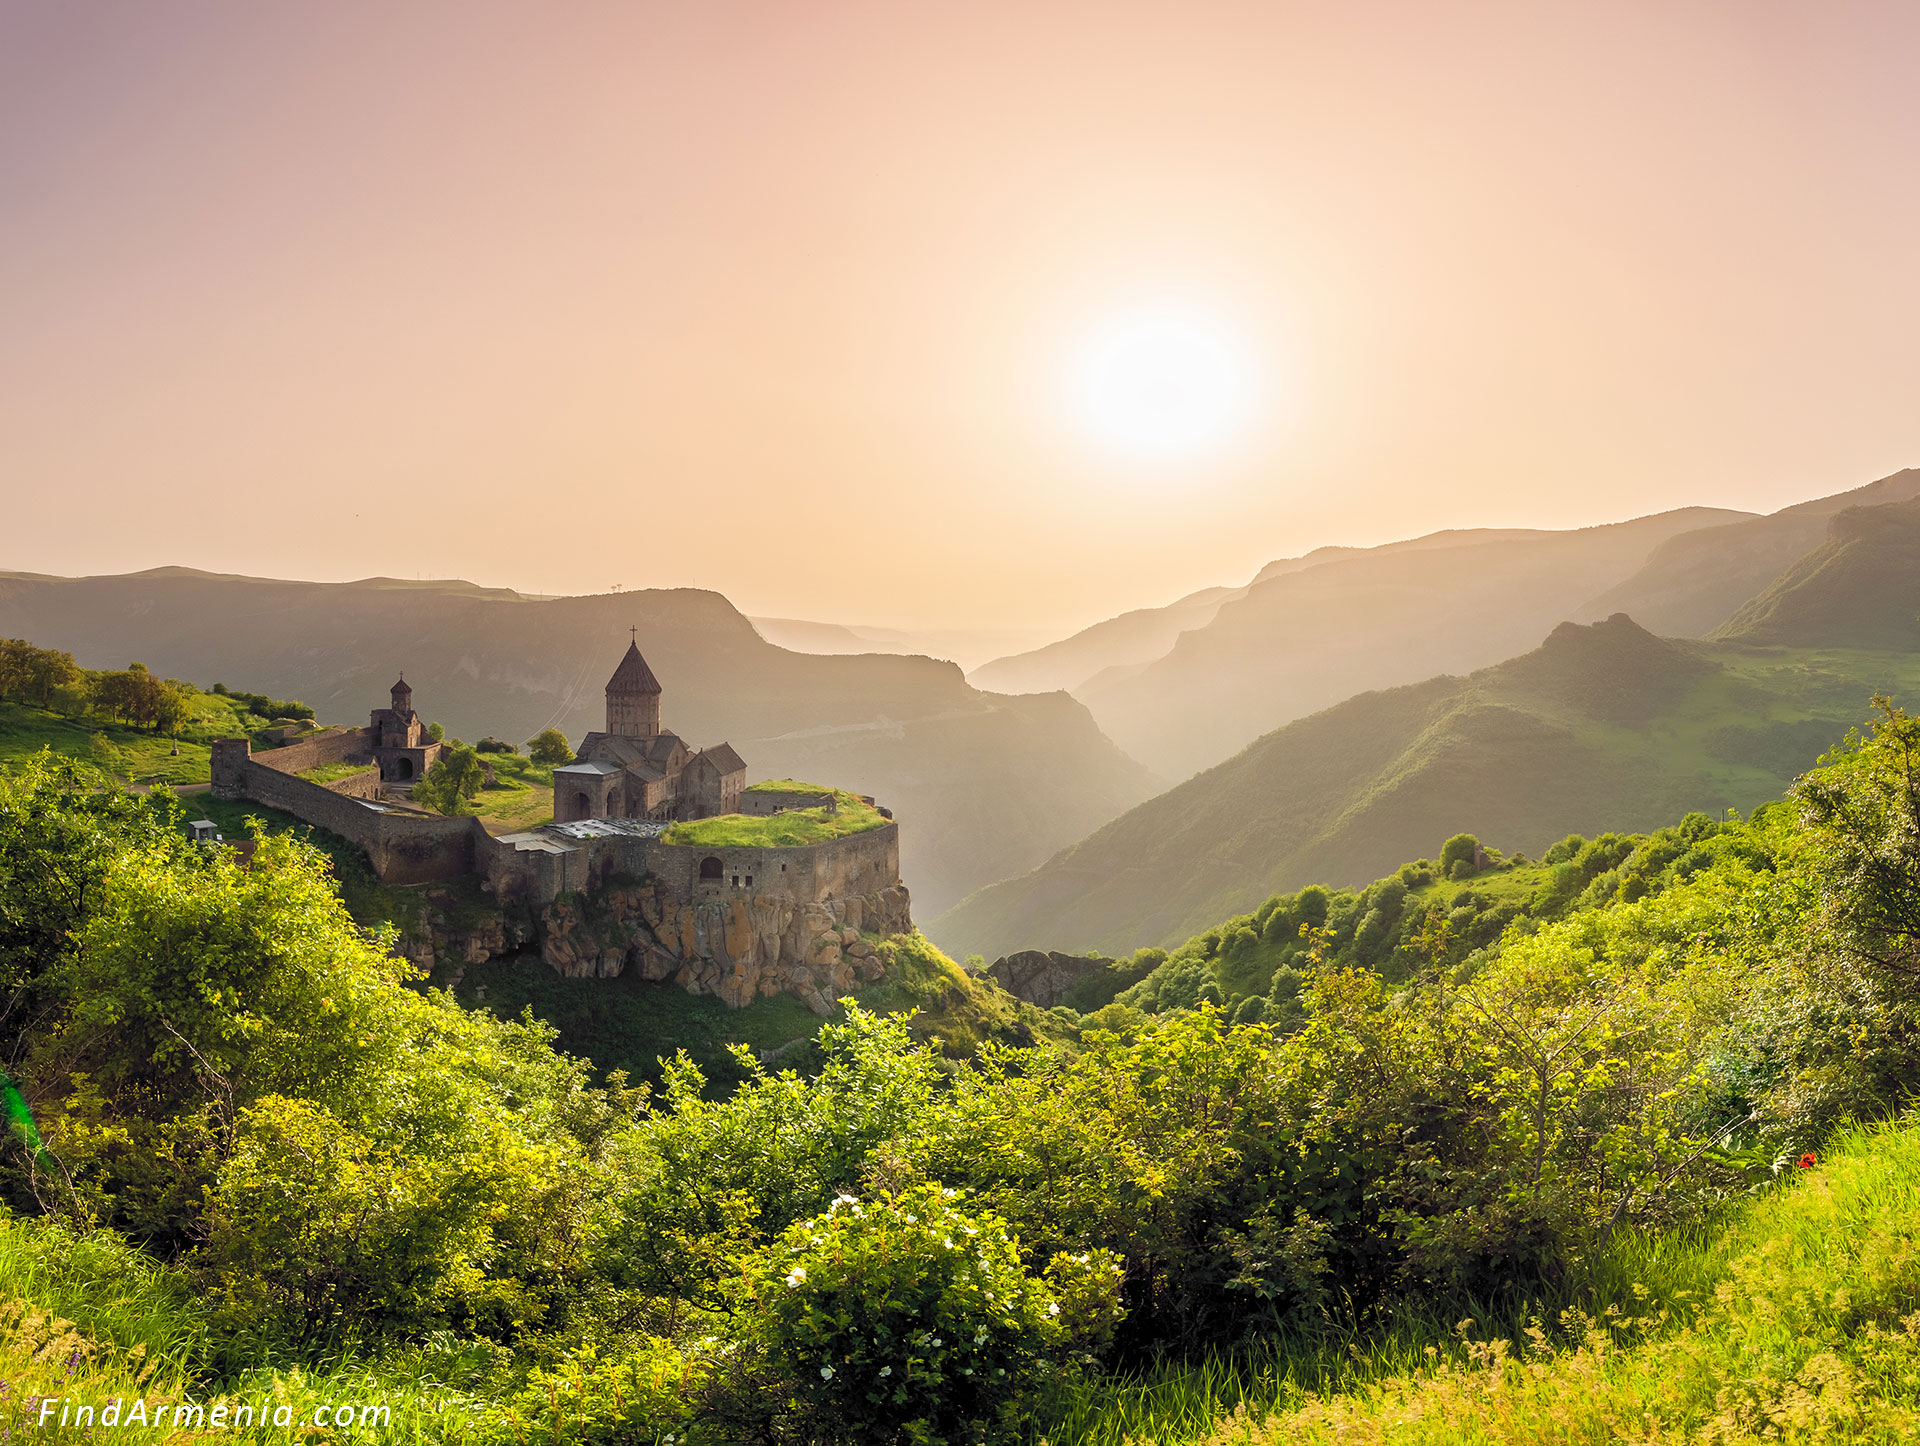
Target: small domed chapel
x,y
636,769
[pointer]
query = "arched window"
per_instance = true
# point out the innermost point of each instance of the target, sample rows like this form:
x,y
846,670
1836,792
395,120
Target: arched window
x,y
582,806
710,869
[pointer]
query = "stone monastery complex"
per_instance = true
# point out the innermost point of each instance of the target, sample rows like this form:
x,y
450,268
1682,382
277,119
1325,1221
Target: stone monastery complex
x,y
635,769
605,887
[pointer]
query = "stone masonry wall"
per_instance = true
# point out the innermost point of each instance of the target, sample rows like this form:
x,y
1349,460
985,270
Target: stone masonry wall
x,y
336,746
403,848
763,801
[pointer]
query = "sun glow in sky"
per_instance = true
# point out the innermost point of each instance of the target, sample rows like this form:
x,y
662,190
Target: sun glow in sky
x,y
1164,383
1050,311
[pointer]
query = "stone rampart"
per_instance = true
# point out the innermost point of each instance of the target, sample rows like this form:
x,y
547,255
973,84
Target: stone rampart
x,y
403,848
337,745
763,801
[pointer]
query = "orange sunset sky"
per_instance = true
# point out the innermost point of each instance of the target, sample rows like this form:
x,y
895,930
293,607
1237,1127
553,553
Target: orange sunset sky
x,y
801,300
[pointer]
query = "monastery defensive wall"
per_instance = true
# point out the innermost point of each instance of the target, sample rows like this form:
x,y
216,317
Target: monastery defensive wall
x,y
600,897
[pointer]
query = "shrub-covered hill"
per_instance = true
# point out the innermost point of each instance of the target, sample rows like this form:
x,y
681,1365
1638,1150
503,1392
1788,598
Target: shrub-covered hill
x,y
1431,913
274,1148
1602,727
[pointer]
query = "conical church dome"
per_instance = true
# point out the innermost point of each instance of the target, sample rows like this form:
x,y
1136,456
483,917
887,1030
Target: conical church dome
x,y
633,675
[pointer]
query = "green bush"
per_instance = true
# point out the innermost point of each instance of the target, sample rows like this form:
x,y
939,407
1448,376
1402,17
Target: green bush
x,y
594,1397
1458,850
899,1318
549,746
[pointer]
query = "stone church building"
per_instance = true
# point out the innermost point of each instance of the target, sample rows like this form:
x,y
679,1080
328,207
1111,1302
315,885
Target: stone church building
x,y
400,742
635,769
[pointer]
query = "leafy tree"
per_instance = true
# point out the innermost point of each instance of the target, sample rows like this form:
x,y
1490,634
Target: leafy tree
x,y
1862,815
226,1067
549,745
456,776
35,673
436,732
1457,852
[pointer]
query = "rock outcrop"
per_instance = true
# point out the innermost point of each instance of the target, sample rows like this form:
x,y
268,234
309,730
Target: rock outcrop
x,y
738,949
1043,979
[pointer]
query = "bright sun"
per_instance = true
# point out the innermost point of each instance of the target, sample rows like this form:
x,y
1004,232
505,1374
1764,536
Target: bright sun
x,y
1162,383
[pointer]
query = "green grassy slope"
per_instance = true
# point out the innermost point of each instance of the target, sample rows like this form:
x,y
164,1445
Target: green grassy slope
x,y
135,754
1602,727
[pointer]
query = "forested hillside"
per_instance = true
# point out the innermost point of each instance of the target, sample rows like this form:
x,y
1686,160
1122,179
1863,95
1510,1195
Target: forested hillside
x,y
215,1068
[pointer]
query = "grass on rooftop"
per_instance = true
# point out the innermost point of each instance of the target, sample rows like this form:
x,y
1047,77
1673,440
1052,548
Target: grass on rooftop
x,y
781,830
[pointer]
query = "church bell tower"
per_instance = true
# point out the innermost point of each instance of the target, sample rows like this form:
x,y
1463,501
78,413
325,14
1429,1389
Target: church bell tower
x,y
633,697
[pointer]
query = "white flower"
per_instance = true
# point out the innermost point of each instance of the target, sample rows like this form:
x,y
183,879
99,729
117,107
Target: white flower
x,y
936,1340
795,1276
948,1242
826,1373
913,1220
1053,1307
886,1371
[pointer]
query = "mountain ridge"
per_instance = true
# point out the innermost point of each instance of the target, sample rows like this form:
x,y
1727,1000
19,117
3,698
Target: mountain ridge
x,y
994,783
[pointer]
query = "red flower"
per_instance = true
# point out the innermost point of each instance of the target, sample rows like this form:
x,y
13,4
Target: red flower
x,y
1809,1160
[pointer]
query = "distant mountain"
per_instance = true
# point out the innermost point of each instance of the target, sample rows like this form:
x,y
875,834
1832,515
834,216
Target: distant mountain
x,y
1602,727
1122,646
1861,584
985,786
1182,687
966,646
1309,636
1139,636
1695,582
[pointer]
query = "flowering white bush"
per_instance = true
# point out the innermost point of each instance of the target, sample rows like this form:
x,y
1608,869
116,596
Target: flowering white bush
x,y
900,1319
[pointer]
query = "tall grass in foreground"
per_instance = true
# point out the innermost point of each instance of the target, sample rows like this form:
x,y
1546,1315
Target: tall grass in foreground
x,y
90,1320
1796,1317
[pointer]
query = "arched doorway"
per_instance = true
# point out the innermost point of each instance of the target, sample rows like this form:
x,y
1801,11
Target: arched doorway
x,y
403,768
710,869
582,807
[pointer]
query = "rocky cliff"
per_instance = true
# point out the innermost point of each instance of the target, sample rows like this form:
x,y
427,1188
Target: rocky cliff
x,y
1045,979
737,949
